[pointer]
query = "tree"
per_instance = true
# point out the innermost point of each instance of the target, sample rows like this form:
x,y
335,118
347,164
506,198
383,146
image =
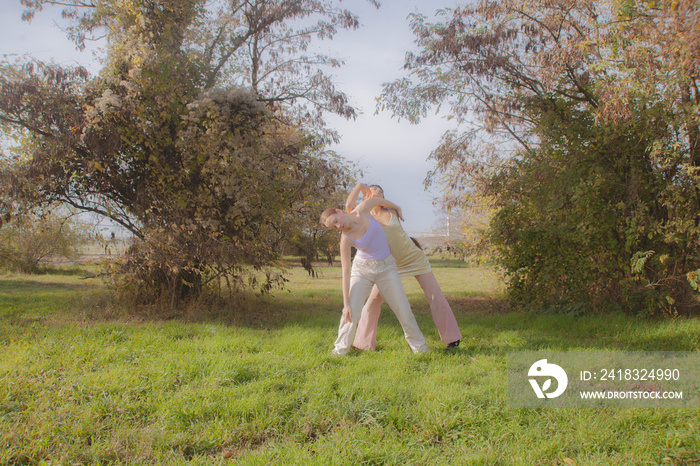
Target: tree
x,y
309,239
263,45
203,172
583,193
28,241
462,224
655,59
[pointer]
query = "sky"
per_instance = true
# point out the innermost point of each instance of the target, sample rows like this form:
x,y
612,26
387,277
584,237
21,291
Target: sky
x,y
391,153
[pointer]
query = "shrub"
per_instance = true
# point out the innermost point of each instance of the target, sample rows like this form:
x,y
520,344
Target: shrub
x,y
28,241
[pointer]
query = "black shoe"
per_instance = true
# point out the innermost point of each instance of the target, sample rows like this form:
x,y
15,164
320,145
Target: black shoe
x,y
454,344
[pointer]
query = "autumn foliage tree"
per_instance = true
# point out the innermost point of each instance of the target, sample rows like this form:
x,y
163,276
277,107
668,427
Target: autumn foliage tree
x,y
181,139
579,128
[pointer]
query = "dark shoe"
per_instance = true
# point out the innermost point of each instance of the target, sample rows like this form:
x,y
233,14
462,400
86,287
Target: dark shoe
x,y
454,344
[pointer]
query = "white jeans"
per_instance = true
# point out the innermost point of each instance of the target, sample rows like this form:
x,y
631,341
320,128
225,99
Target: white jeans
x,y
383,273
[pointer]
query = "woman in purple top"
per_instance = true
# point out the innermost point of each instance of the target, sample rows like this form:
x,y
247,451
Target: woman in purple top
x,y
373,264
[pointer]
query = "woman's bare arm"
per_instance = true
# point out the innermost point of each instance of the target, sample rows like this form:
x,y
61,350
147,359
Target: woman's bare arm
x,y
346,266
354,194
367,205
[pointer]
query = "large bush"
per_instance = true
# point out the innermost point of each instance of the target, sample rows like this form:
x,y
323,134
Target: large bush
x,y
574,214
582,133
202,135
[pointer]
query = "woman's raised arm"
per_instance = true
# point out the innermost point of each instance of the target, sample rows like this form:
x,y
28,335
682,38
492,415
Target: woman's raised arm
x,y
354,194
367,205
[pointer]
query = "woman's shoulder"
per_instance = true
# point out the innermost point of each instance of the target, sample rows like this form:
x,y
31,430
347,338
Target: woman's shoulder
x,y
383,217
395,219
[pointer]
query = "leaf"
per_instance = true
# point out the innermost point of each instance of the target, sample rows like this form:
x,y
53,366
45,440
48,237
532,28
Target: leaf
x,y
694,279
639,259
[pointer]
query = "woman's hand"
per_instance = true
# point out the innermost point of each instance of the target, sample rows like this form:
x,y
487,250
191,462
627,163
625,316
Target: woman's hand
x,y
364,189
354,194
347,314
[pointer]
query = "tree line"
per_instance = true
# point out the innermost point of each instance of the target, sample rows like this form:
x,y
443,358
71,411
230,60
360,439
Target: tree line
x,y
575,153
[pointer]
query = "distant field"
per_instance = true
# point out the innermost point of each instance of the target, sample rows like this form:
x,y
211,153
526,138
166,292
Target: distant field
x,y
83,381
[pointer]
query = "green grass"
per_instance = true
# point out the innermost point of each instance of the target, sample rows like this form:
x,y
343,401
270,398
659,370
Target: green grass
x,y
82,381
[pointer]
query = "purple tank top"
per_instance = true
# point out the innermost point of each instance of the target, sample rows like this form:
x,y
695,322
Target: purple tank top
x,y
372,245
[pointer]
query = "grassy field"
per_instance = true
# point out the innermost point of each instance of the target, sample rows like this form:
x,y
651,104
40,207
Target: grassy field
x,y
84,382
